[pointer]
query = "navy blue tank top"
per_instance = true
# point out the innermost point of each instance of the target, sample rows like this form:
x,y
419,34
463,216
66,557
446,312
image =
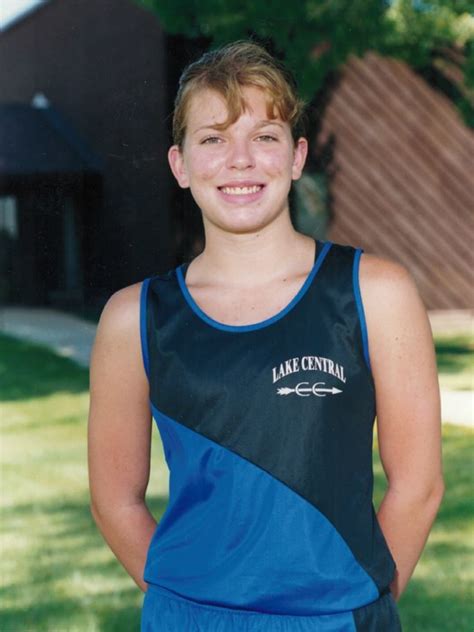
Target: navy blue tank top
x,y
267,432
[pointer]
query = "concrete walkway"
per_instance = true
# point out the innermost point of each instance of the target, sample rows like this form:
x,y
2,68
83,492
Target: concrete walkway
x,y
457,407
67,335
72,337
452,321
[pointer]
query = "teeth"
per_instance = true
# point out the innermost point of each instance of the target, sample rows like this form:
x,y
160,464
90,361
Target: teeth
x,y
241,190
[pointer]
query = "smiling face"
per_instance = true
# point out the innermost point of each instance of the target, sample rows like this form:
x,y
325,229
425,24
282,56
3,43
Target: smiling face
x,y
240,176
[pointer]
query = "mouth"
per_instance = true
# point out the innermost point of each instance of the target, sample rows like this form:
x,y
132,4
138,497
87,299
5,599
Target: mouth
x,y
236,194
244,190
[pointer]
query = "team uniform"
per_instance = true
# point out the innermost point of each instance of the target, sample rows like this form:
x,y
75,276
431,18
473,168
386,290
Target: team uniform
x,y
267,432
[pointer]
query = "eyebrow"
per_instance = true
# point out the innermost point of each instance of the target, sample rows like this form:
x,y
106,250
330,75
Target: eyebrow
x,y
260,124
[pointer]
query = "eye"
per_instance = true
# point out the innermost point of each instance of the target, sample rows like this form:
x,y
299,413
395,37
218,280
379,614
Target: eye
x,y
210,140
268,137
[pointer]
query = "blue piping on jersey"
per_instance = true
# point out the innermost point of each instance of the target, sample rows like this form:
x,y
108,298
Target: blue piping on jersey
x,y
360,307
143,332
264,323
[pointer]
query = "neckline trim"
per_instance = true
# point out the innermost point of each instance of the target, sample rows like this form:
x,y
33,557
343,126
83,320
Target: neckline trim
x,y
263,323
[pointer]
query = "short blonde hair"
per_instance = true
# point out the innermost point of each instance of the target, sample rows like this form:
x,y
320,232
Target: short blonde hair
x,y
231,67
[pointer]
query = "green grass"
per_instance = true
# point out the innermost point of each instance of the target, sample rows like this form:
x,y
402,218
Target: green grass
x,y
58,575
57,572
440,596
455,360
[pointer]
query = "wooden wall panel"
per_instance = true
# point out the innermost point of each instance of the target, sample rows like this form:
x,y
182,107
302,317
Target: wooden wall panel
x,y
403,184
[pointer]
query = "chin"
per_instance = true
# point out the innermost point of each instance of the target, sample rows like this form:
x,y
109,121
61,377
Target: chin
x,y
244,219
242,225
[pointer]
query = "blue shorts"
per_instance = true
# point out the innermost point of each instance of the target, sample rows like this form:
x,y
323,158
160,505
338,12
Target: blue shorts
x,y
167,612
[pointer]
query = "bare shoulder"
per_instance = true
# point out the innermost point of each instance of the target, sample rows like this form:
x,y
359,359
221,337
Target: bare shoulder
x,y
397,320
389,291
122,308
381,274
118,332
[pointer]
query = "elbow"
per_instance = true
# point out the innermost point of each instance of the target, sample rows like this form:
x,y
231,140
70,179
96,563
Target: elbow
x,y
98,511
94,512
105,512
431,494
437,492
101,515
434,500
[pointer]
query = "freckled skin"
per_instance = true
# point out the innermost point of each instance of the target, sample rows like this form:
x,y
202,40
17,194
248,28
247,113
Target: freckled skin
x,y
210,158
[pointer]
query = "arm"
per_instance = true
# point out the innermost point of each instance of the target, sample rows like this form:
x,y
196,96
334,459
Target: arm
x,y
408,410
119,434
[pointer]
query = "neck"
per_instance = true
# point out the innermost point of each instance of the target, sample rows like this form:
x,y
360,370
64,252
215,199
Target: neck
x,y
253,258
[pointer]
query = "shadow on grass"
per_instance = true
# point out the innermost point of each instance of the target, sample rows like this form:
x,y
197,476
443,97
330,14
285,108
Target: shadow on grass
x,y
453,353
118,614
457,506
28,370
424,607
62,548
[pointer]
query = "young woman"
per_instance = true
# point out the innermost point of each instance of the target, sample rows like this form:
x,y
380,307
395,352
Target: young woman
x,y
263,362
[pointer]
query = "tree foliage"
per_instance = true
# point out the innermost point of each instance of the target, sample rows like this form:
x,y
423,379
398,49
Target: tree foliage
x,y
315,37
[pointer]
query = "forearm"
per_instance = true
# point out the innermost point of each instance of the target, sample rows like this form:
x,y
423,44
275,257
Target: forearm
x,y
405,518
128,531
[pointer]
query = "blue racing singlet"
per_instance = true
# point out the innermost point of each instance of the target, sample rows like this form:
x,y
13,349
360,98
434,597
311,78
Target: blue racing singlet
x,y
267,432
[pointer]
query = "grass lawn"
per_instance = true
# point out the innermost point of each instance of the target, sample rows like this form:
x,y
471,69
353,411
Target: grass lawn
x,y
58,574
455,359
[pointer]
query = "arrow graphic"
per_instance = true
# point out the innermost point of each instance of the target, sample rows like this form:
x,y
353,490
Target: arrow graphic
x,y
303,389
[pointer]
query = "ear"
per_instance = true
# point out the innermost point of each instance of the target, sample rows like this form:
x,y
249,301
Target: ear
x,y
299,158
176,162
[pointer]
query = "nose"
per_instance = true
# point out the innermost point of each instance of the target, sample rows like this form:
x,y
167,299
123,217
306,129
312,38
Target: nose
x,y
240,154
